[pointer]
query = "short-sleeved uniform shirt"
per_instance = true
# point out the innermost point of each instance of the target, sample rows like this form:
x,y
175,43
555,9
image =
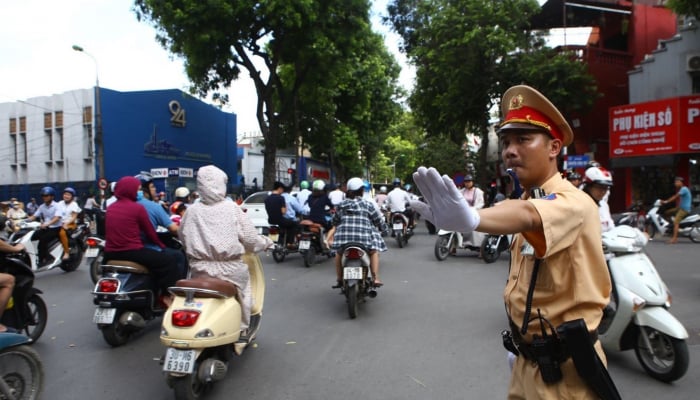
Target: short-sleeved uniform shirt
x,y
573,280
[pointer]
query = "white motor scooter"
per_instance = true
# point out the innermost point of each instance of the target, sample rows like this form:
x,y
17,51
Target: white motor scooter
x,y
202,329
689,226
448,242
27,235
638,316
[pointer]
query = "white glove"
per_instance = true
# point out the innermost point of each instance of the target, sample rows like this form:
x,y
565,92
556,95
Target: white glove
x,y
446,208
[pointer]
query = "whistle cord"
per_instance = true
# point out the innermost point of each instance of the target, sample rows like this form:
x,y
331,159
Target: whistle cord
x,y
530,293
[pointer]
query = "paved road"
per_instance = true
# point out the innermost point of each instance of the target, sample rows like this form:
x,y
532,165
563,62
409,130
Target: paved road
x,y
432,333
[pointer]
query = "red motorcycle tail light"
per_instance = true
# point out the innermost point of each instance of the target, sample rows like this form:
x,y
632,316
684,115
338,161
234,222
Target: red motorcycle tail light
x,y
91,242
107,285
185,318
354,253
273,230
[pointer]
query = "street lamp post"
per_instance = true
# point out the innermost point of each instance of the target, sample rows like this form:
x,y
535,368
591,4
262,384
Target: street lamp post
x,y
99,146
394,164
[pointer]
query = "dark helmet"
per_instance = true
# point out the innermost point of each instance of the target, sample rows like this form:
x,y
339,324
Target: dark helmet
x,y
48,190
146,178
397,182
70,190
573,176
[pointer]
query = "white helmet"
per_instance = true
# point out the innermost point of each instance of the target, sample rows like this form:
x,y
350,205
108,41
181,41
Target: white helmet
x,y
382,189
355,184
319,185
182,192
598,175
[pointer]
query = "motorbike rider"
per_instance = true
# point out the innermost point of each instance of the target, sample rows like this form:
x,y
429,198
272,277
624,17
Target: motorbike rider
x,y
475,198
294,208
380,198
7,283
126,221
69,211
336,193
683,208
112,198
559,230
146,196
50,217
216,233
182,194
357,220
320,204
396,201
276,208
575,178
303,195
597,183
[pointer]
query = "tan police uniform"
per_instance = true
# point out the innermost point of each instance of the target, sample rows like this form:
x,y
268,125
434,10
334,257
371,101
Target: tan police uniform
x,y
573,282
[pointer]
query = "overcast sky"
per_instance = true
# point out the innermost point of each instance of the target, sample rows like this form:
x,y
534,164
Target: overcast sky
x,y
36,37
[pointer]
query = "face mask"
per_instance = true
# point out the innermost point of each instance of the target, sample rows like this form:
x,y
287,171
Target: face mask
x,y
139,195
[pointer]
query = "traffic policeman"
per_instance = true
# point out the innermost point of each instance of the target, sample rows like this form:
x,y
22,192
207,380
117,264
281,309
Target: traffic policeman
x,y
558,283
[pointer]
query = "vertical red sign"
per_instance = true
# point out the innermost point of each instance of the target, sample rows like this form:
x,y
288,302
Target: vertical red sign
x,y
689,124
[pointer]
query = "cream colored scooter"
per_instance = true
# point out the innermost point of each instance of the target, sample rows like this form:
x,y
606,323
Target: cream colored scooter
x,y
202,330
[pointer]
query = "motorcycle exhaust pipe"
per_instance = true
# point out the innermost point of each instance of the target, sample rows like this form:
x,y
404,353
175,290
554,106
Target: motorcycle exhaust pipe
x,y
211,370
372,294
134,319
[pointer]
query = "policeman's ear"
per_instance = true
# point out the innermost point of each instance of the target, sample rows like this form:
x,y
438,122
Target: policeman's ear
x,y
555,147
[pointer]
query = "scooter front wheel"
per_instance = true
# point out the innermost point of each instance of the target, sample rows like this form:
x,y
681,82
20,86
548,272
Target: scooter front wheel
x,y
695,233
441,249
667,360
188,387
489,249
22,373
38,316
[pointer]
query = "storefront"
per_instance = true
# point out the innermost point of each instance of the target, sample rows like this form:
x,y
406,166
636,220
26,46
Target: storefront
x,y
654,142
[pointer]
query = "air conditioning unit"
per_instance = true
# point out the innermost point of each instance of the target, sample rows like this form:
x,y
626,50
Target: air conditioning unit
x,y
693,62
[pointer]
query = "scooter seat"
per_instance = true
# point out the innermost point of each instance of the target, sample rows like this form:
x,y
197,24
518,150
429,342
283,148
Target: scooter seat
x,y
126,266
209,284
310,225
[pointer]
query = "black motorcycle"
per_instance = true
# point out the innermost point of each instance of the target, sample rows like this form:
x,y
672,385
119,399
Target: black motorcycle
x,y
311,242
26,310
357,280
401,228
283,247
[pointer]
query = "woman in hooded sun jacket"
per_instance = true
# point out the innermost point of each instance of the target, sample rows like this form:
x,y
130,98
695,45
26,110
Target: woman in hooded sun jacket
x,y
216,233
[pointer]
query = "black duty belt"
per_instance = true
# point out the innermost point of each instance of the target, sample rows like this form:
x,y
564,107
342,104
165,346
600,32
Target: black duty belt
x,y
528,351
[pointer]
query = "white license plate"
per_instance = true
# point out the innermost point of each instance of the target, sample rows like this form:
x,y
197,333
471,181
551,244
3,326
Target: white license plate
x,y
104,315
179,361
274,237
398,227
304,245
352,273
92,252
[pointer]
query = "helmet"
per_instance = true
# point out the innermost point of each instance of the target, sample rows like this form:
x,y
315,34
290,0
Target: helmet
x,y
48,191
368,186
397,182
382,189
175,206
70,190
407,187
573,176
355,184
592,163
146,178
598,175
182,192
304,184
318,184
468,178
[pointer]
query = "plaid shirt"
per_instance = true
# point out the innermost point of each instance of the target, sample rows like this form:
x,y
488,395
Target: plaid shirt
x,y
356,221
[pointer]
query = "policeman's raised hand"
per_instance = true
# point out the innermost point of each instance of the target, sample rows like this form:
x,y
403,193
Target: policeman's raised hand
x,y
444,205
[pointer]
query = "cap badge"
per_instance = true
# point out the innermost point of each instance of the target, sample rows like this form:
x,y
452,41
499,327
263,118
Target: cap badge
x,y
516,102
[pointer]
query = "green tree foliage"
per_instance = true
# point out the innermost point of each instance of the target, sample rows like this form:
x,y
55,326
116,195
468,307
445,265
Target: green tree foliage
x,y
685,7
219,39
467,53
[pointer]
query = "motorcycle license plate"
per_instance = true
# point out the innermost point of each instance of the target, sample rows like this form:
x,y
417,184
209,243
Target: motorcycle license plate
x,y
304,245
104,315
274,237
398,227
181,361
352,273
92,252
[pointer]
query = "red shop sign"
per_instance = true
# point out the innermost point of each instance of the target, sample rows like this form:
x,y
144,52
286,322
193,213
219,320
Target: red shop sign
x,y
689,124
645,129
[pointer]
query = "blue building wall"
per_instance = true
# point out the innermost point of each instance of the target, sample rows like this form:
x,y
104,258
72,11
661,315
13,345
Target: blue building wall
x,y
139,135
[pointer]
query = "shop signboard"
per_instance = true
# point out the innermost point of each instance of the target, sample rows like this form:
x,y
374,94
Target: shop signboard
x,y
645,129
690,124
